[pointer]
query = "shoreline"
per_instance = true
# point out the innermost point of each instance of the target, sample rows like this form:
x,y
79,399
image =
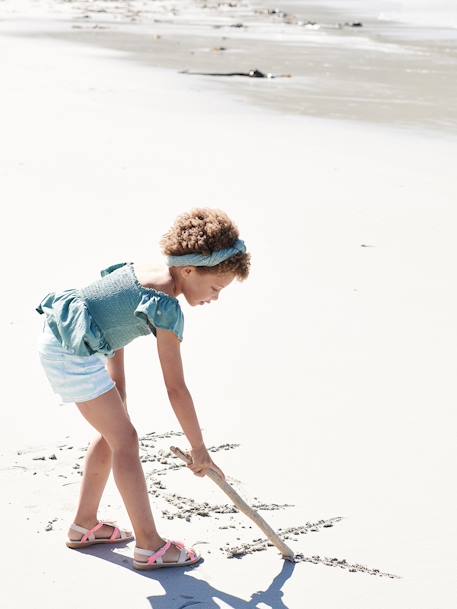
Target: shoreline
x,y
377,73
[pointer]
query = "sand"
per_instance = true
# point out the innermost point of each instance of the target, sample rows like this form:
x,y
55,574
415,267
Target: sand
x,y
329,60
324,384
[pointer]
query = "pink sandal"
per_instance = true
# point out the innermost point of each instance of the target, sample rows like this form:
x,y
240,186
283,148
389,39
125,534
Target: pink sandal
x,y
89,539
188,556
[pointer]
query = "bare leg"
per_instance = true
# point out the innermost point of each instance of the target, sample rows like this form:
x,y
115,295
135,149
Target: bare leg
x,y
97,467
109,417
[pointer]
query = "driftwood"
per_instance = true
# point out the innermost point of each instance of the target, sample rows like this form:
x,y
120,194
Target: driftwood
x,y
251,74
286,552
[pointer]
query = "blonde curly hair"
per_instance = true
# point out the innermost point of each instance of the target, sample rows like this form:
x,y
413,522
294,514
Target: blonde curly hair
x,y
204,230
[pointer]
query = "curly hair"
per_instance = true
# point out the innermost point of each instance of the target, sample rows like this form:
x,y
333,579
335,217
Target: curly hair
x,y
204,230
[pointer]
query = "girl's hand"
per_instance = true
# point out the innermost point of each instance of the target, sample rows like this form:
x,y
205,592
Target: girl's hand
x,y
202,463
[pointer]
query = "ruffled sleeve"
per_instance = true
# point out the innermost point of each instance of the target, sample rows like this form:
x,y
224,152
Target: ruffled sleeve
x,y
112,268
161,311
72,324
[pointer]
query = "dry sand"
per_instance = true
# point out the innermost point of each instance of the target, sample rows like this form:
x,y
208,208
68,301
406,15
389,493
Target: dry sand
x,y
324,384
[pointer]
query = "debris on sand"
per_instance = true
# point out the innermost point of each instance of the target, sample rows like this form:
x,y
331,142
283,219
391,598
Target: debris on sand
x,y
262,544
215,449
251,74
187,507
348,24
309,25
49,527
343,564
270,11
225,518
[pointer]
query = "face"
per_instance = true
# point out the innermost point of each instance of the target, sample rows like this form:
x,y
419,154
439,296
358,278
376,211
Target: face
x,y
202,288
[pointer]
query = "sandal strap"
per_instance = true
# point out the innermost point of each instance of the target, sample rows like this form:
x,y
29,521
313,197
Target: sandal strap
x,y
116,534
191,554
89,536
77,528
156,556
153,555
143,552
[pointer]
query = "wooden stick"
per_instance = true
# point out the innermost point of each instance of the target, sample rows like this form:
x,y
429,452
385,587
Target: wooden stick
x,y
242,506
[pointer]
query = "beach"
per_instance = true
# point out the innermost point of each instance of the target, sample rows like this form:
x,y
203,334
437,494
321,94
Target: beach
x,y
324,384
349,62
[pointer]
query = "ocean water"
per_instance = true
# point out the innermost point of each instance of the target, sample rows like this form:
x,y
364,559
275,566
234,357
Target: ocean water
x,y
432,13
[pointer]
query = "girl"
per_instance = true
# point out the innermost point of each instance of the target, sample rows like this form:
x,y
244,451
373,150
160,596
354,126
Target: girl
x,y
84,328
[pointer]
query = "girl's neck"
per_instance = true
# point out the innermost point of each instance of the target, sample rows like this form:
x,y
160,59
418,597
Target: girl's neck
x,y
159,277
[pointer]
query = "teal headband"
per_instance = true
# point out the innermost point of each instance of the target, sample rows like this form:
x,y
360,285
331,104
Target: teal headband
x,y
208,260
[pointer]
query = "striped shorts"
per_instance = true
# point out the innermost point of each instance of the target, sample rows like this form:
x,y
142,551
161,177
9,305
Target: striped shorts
x,y
74,378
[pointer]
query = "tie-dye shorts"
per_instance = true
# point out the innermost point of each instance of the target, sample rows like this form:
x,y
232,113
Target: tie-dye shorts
x,y
74,378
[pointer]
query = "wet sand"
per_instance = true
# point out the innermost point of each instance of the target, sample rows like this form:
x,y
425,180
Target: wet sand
x,y
337,63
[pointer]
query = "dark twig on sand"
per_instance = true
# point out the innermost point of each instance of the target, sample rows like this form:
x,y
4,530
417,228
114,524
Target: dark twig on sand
x,y
251,74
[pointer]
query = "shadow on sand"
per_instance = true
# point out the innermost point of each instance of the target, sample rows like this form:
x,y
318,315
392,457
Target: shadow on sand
x,y
183,591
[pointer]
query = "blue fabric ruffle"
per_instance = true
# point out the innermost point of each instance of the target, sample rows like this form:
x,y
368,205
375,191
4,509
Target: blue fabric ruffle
x,y
72,324
113,267
160,311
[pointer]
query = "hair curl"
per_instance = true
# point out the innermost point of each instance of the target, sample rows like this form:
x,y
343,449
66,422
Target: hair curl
x,y
204,230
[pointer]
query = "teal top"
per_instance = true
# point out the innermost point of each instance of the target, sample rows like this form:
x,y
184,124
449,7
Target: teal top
x,y
110,312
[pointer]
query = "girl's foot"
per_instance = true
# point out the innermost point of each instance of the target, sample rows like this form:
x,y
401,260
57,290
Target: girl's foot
x,y
98,532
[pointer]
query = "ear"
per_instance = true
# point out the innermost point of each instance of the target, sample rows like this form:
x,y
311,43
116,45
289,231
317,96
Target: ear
x,y
187,270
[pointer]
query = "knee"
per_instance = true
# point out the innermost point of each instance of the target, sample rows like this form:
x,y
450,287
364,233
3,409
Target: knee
x,y
102,442
102,448
127,442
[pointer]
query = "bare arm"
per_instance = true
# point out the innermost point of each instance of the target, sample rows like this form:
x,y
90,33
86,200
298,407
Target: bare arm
x,y
168,347
115,366
181,401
